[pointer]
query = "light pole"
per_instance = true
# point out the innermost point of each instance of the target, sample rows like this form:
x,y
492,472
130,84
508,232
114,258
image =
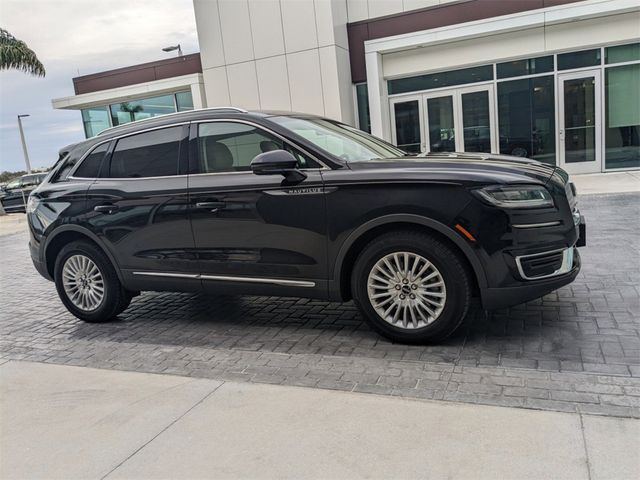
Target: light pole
x,y
24,143
172,48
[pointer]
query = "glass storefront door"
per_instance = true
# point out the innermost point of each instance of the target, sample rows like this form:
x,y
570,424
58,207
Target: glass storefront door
x,y
579,132
457,120
407,124
461,120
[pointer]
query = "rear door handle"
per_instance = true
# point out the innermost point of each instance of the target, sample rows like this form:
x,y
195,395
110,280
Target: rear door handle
x,y
108,209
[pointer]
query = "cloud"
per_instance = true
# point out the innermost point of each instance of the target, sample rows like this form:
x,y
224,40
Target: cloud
x,y
71,38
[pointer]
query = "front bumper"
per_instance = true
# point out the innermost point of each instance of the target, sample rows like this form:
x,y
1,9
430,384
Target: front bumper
x,y
502,297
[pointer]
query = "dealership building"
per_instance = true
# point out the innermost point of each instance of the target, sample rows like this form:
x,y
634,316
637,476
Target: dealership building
x,y
554,80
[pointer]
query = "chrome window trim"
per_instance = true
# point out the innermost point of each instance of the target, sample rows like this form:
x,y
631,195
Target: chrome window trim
x,y
124,135
117,138
226,278
267,129
565,267
212,109
537,225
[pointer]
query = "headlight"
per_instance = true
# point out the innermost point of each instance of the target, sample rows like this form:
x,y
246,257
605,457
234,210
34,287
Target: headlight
x,y
32,204
516,196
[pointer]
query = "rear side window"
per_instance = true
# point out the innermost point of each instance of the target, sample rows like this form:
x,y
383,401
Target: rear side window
x,y
149,154
90,166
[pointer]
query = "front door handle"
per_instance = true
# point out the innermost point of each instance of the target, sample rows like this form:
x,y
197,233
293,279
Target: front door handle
x,y
212,206
108,209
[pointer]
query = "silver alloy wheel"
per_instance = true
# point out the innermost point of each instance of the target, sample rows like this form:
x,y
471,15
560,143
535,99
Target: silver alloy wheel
x,y
406,290
83,282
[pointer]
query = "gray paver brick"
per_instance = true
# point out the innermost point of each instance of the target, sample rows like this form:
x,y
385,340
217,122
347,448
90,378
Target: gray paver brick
x,y
578,344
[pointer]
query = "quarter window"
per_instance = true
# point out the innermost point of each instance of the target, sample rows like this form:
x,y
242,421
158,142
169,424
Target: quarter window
x,y
150,154
230,147
90,166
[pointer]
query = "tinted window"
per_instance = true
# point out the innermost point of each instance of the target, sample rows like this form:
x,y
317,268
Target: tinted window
x,y
529,66
90,166
586,58
230,147
526,114
67,164
149,154
622,53
441,79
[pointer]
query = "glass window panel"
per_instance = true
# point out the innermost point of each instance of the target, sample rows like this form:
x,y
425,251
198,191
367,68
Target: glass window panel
x,y
622,131
526,117
441,127
529,66
140,109
230,147
475,121
90,166
622,53
579,120
184,101
340,140
149,154
441,79
585,58
95,120
407,117
362,96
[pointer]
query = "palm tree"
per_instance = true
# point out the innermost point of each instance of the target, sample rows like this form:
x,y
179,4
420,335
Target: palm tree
x,y
14,54
131,110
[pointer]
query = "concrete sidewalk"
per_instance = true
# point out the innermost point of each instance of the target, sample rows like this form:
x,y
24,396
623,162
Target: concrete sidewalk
x,y
70,422
612,182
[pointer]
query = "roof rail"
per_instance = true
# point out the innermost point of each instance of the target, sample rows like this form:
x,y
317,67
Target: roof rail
x,y
232,109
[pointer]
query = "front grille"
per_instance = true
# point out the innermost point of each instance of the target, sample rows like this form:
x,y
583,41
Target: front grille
x,y
542,265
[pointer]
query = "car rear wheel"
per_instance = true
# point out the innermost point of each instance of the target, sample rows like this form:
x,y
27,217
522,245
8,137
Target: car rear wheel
x,y
88,284
411,287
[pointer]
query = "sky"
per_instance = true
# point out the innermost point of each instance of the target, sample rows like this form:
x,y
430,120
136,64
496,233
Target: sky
x,y
71,38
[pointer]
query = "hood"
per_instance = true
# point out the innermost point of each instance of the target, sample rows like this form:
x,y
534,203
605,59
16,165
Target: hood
x,y
465,167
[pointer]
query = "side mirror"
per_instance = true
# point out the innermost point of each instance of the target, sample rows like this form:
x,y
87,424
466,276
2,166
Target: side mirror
x,y
275,162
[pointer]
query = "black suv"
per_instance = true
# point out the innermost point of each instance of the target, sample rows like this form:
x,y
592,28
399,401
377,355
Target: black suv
x,y
270,203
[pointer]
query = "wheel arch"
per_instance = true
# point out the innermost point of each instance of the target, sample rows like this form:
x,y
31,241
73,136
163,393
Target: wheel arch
x,y
362,235
69,233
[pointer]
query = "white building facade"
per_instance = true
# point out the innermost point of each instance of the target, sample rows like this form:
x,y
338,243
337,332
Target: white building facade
x,y
554,80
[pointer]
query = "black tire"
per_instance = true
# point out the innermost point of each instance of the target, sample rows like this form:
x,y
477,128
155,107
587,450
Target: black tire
x,y
450,266
116,298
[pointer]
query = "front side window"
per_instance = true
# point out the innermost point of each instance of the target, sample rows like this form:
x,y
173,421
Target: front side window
x,y
340,140
90,166
230,147
150,154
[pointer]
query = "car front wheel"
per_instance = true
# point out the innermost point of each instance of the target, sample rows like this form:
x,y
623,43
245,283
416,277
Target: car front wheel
x,y
411,287
88,284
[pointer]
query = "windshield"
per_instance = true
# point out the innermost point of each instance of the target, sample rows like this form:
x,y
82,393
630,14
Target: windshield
x,y
340,140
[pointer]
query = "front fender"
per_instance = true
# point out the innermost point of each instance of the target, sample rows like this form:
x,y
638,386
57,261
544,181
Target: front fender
x,y
467,250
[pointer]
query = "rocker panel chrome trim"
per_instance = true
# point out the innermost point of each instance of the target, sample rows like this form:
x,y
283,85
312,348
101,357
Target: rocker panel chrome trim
x,y
225,278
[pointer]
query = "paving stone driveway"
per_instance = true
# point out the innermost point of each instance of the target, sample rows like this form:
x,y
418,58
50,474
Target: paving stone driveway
x,y
578,349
